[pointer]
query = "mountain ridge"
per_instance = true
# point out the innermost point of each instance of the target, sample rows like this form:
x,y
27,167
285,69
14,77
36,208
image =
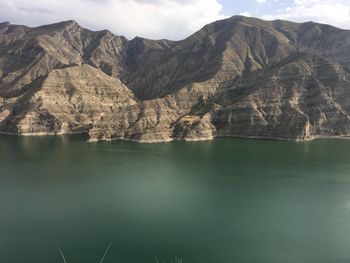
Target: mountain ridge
x,y
240,76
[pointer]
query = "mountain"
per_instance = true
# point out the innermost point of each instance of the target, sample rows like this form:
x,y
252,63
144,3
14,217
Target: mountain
x,y
240,76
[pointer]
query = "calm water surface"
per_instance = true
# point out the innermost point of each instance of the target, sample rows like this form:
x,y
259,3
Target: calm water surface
x,y
223,201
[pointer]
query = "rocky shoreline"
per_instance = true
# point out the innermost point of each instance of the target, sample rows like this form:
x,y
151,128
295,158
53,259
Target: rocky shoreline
x,y
199,139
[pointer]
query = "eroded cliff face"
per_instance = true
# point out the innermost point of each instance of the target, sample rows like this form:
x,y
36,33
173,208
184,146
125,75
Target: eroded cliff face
x,y
236,77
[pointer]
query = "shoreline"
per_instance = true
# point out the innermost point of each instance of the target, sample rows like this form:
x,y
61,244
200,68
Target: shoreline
x,y
199,139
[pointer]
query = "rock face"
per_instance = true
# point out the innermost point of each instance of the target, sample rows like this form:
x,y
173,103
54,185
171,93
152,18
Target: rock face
x,y
240,77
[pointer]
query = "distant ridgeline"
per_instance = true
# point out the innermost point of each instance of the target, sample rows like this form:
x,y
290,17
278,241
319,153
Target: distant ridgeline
x,y
240,77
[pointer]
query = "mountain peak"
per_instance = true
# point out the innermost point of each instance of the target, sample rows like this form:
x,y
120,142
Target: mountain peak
x,y
61,25
4,24
67,24
70,22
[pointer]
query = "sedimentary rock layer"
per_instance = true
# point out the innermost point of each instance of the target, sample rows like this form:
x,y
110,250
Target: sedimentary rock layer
x,y
240,77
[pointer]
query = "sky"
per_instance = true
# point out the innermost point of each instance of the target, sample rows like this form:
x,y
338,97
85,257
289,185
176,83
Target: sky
x,y
171,19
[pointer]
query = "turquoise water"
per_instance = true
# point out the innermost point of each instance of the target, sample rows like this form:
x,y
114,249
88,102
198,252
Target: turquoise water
x,y
227,200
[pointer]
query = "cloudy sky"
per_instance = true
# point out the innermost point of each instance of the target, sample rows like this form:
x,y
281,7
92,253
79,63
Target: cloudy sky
x,y
172,19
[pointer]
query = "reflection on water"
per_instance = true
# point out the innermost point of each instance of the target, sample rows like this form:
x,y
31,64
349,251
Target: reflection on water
x,y
226,200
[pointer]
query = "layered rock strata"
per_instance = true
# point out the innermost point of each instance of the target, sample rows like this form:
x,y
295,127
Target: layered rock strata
x,y
240,77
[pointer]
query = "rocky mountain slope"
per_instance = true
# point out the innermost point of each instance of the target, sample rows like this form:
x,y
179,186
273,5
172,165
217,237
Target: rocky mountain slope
x,y
240,77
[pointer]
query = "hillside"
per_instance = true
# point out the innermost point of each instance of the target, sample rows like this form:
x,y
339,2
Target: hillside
x,y
241,76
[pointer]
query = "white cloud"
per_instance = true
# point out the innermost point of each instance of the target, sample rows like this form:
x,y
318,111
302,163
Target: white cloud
x,y
172,19
260,1
334,12
245,14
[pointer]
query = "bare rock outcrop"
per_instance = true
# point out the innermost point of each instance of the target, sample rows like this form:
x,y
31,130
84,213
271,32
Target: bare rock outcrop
x,y
240,76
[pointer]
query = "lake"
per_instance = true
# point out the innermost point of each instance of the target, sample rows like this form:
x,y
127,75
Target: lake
x,y
222,201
